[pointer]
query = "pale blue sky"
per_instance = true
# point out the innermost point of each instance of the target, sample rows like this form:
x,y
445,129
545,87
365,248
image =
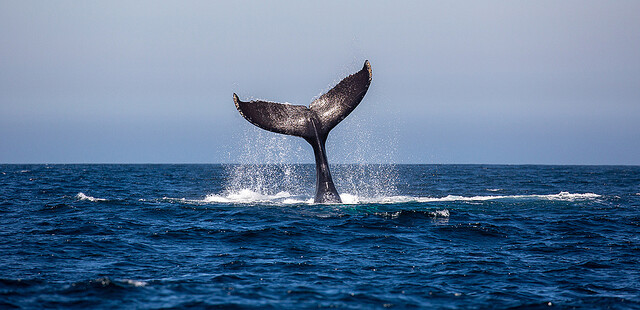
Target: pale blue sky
x,y
539,82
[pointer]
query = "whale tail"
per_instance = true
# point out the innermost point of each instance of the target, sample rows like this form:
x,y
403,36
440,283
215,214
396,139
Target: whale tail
x,y
312,123
328,110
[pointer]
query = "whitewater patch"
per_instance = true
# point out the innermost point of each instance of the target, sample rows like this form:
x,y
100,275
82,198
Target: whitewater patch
x,y
246,196
249,196
82,196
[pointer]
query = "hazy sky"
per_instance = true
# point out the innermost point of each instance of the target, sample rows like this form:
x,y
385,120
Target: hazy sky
x,y
539,82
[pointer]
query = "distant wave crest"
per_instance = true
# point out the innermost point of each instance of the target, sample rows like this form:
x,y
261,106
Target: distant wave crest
x,y
562,196
83,196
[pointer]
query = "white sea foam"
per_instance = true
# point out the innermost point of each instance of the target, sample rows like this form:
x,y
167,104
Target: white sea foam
x,y
562,196
442,213
82,196
134,283
349,199
247,196
437,214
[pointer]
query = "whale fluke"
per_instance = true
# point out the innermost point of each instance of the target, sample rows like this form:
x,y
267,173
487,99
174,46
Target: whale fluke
x,y
312,123
282,118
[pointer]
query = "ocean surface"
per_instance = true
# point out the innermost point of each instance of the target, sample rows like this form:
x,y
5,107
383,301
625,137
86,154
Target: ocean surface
x,y
249,236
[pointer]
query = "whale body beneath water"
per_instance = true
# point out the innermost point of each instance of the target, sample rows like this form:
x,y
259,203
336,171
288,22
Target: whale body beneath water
x,y
312,123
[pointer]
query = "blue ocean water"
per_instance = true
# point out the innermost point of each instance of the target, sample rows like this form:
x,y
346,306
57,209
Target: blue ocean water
x,y
406,236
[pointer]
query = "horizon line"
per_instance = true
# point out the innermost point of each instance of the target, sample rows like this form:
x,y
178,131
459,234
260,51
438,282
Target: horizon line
x,y
310,163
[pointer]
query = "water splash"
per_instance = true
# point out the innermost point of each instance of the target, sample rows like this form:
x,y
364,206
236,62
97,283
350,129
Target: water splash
x,y
356,145
266,166
372,181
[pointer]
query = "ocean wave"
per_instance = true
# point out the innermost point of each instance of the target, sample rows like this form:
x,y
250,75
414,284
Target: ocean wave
x,y
82,196
247,196
562,196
